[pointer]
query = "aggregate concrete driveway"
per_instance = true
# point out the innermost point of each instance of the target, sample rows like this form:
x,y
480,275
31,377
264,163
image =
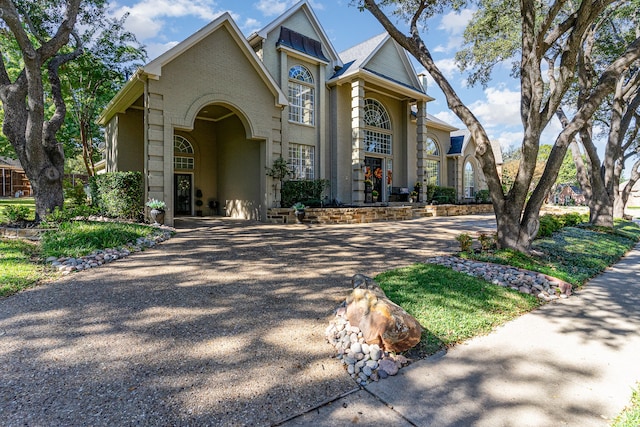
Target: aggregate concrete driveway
x,y
221,325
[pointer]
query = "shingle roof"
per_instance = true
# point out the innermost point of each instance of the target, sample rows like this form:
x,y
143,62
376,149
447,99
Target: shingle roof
x,y
301,43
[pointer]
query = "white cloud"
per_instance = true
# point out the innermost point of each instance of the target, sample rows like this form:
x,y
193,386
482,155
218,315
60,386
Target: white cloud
x,y
250,25
455,22
156,49
507,139
146,17
501,107
272,7
450,118
447,66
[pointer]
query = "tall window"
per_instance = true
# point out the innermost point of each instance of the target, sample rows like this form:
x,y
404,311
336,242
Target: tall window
x,y
469,181
301,95
377,128
182,153
302,161
432,153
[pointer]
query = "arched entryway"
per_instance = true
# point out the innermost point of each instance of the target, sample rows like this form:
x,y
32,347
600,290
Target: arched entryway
x,y
216,166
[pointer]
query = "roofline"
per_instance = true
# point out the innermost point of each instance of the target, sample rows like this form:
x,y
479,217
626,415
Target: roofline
x,y
375,78
264,32
441,126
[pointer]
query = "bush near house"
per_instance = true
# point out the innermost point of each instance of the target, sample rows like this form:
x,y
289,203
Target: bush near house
x,y
441,195
118,194
308,191
550,223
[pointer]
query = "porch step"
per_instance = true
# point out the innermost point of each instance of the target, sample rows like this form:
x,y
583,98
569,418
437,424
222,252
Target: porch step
x,y
420,212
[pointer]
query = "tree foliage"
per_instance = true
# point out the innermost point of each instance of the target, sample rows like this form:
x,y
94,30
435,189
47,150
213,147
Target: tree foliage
x,y
547,41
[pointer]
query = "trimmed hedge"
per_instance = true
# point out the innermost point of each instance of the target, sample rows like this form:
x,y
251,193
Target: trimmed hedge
x,y
118,195
307,191
441,195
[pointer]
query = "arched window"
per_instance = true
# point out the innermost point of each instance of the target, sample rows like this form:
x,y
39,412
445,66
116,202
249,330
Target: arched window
x,y
377,128
432,153
182,153
301,95
469,181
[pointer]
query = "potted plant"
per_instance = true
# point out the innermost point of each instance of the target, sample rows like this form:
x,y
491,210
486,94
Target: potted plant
x,y
375,195
414,196
299,212
199,202
157,210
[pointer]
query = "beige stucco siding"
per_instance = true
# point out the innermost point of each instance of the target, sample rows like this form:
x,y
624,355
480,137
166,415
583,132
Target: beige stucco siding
x,y
129,150
215,70
387,61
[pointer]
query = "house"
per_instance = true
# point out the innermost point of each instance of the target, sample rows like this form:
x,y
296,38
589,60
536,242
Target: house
x,y
13,179
211,114
566,194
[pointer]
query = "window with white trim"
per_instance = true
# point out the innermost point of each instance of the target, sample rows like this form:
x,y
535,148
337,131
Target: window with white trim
x,y
183,157
432,163
302,161
301,95
469,181
377,133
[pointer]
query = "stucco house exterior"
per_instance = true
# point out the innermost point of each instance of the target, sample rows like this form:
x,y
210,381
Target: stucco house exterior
x,y
205,119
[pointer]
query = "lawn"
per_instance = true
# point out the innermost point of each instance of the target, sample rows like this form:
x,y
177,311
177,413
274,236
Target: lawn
x,y
20,266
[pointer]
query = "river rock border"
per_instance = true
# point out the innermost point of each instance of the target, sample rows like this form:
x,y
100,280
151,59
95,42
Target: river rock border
x,y
67,265
545,287
365,363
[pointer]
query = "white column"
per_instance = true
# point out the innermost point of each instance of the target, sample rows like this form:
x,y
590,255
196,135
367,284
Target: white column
x,y
357,141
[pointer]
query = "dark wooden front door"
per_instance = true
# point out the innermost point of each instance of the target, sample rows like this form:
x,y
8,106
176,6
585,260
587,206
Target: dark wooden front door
x,y
182,193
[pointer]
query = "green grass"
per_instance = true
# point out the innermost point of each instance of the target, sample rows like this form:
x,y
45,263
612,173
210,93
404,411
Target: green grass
x,y
20,266
630,416
451,306
22,201
573,254
78,238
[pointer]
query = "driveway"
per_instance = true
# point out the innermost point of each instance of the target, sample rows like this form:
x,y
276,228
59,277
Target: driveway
x,y
221,325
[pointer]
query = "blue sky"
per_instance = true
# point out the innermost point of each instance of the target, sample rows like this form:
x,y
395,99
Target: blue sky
x,y
161,24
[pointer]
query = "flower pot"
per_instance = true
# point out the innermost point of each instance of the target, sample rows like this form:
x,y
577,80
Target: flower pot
x,y
157,216
299,216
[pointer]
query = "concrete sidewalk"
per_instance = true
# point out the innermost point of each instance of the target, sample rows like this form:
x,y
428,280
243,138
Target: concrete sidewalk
x,y
571,363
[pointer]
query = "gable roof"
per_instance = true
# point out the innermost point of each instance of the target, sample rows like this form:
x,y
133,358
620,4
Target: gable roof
x,y
358,60
134,88
313,20
466,138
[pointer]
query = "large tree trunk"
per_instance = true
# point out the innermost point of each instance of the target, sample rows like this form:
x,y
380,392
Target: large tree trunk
x,y
31,135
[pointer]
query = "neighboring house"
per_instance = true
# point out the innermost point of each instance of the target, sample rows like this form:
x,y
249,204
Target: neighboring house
x,y
566,194
216,110
13,179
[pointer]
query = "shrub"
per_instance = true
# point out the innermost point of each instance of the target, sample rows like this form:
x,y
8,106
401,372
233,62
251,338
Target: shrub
x,y
549,223
305,191
118,194
16,213
465,241
483,196
59,216
74,193
442,195
487,241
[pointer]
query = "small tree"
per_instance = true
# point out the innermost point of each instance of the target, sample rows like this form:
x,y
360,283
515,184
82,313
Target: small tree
x,y
279,171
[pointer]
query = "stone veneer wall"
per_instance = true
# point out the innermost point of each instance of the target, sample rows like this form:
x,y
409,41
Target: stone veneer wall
x,y
366,214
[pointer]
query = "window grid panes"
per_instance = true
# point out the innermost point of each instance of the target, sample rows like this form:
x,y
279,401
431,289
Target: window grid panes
x,y
301,95
302,161
375,115
433,172
181,145
432,148
377,142
180,162
469,178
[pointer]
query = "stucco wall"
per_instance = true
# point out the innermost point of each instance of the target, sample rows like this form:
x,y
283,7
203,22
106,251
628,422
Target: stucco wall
x,y
130,145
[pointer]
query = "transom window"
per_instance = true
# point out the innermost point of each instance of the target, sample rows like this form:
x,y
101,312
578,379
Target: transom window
x,y
302,161
432,164
182,153
377,128
301,95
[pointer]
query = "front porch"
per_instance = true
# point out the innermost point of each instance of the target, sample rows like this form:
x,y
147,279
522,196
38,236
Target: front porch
x,y
379,213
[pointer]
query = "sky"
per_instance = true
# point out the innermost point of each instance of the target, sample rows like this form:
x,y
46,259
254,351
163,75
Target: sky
x,y
161,24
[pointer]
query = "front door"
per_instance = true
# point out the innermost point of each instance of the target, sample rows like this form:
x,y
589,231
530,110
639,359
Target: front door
x,y
374,173
182,193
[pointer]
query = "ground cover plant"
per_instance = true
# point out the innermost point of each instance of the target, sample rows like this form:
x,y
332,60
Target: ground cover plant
x,y
573,254
451,306
20,266
630,416
8,204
